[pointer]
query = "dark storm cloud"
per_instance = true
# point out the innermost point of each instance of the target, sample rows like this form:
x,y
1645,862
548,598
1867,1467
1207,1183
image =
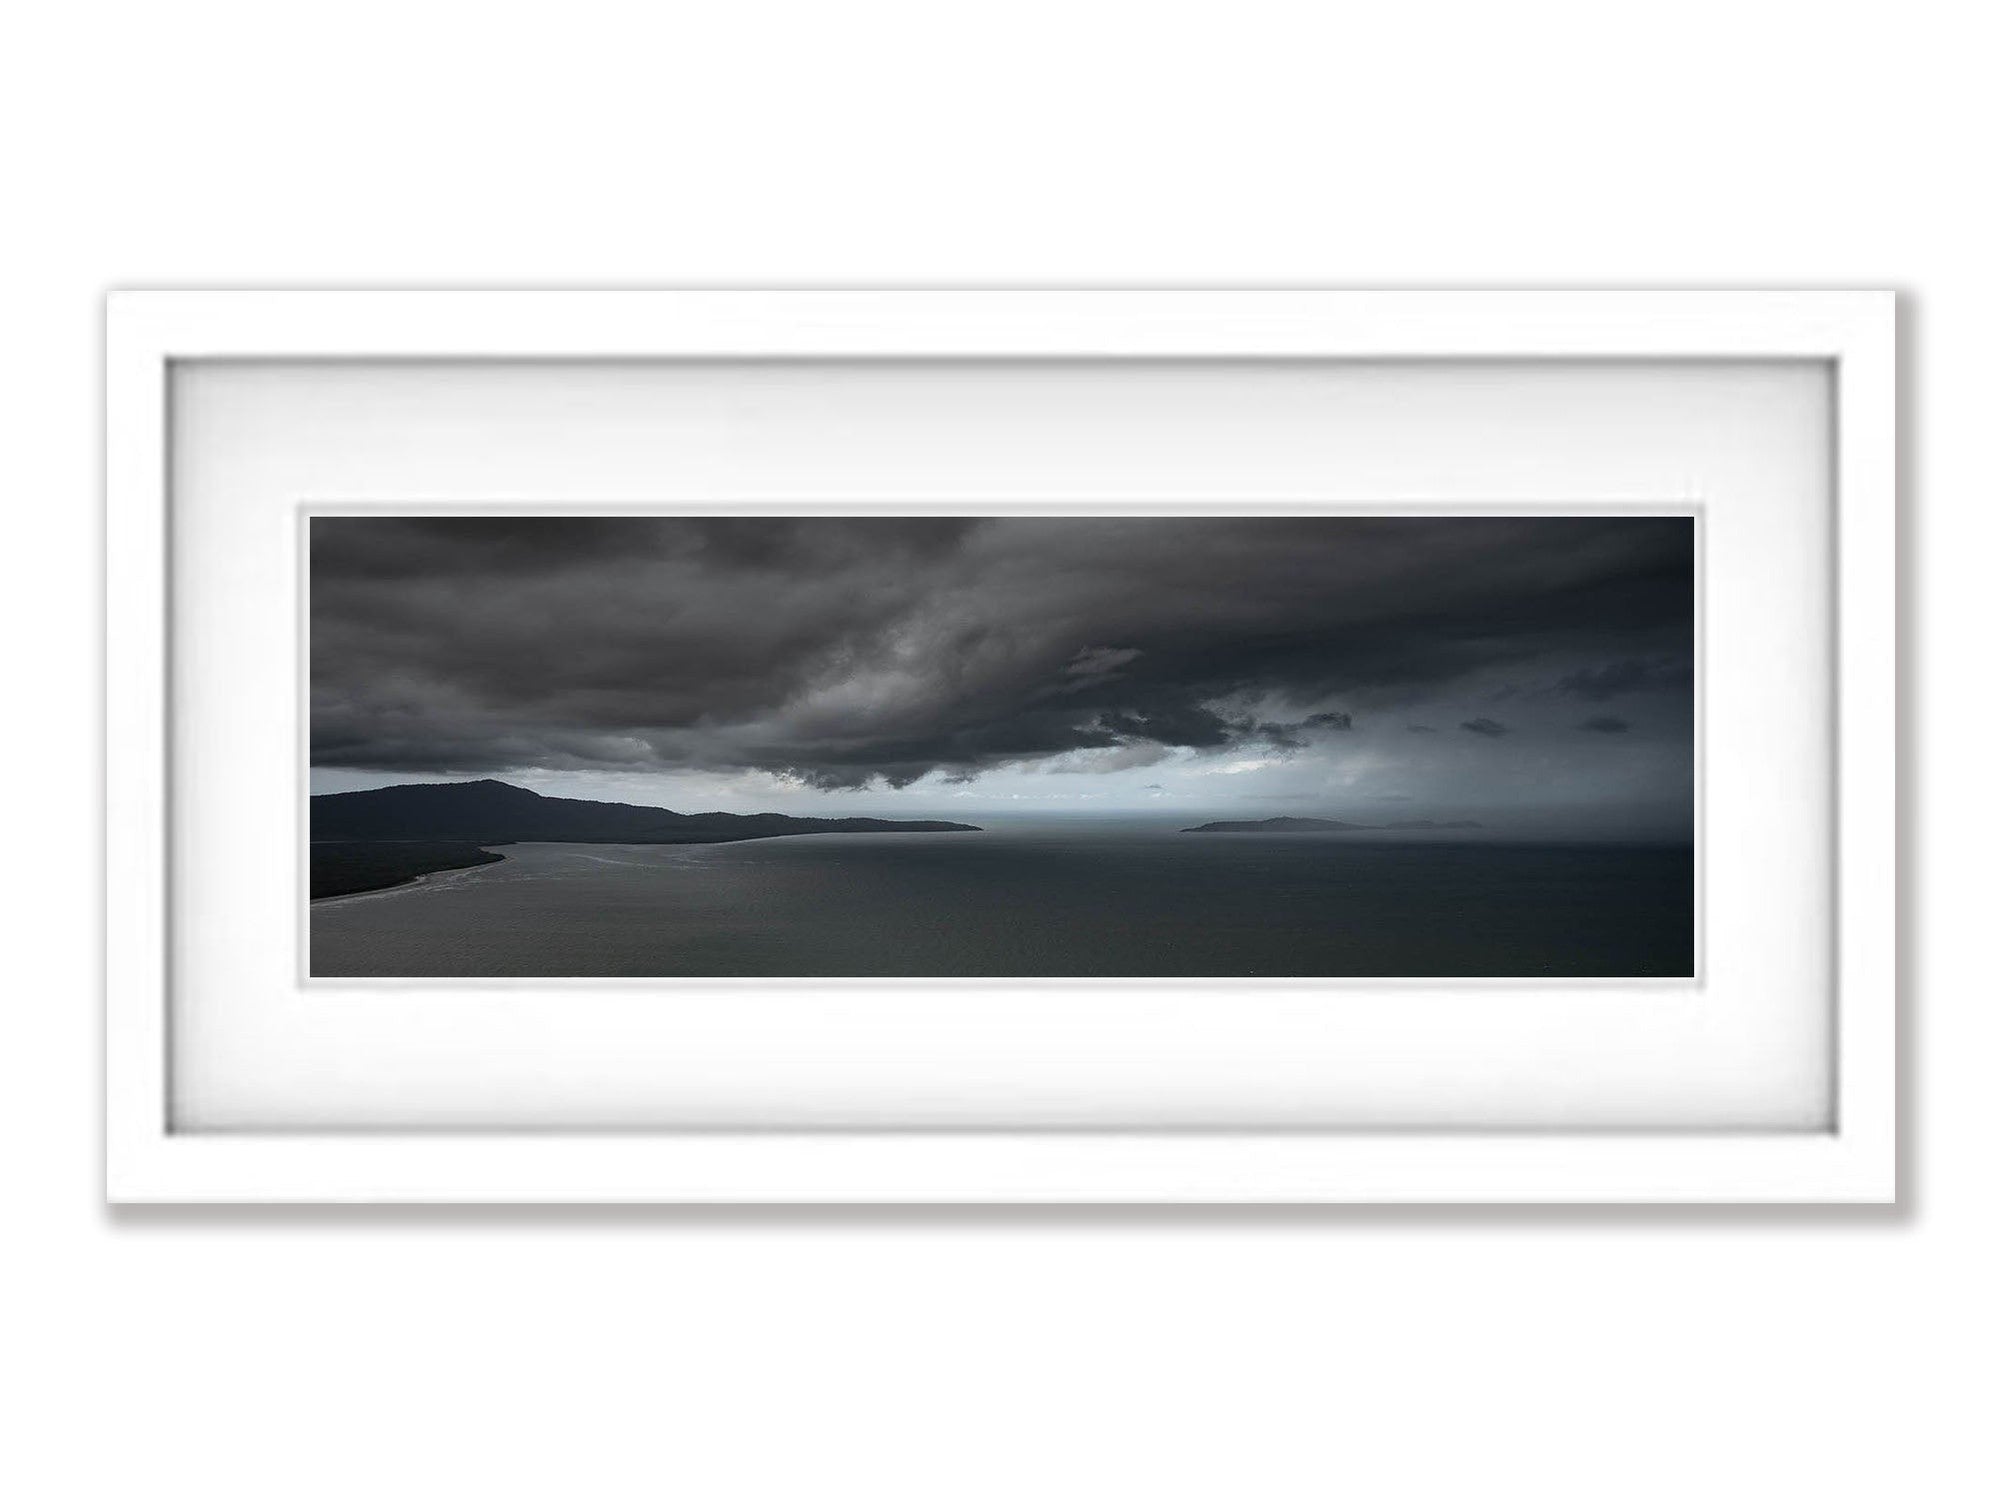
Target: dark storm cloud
x,y
1291,736
1186,724
1605,723
1491,728
1337,721
845,651
1615,678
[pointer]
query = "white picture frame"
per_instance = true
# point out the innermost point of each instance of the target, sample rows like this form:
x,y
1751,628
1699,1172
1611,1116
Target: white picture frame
x,y
1851,1159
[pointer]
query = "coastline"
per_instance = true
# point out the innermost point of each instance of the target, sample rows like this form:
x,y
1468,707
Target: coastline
x,y
344,867
365,866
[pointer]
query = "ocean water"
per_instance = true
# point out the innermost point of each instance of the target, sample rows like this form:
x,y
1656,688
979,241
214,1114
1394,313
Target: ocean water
x,y
1045,903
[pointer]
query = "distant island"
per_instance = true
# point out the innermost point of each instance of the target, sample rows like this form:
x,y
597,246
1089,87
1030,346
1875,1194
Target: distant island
x,y
373,840
1328,825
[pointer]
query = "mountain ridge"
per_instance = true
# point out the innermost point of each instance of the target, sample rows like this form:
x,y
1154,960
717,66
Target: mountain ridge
x,y
376,840
490,811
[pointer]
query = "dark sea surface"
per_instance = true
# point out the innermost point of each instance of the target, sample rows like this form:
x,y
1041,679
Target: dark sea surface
x,y
1016,903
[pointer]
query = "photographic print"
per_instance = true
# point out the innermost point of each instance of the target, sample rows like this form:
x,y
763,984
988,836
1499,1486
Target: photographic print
x,y
1002,746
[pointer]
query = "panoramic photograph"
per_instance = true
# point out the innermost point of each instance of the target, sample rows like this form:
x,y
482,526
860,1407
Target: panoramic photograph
x,y
1002,746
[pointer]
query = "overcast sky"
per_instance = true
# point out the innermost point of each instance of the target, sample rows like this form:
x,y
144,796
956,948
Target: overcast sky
x,y
1535,674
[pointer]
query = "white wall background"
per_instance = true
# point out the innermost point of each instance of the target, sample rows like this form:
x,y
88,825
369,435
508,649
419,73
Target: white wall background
x,y
1446,1353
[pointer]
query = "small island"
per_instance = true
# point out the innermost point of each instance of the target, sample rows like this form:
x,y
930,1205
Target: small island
x,y
375,840
1330,825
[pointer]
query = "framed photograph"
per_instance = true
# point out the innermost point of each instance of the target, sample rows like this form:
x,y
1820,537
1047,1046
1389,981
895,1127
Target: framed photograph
x,y
1001,747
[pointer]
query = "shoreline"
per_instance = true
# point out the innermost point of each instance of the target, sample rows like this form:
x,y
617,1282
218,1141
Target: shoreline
x,y
411,882
424,857
340,868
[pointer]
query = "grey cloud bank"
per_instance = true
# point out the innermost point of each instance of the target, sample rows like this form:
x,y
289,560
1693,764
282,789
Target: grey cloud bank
x,y
1210,661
